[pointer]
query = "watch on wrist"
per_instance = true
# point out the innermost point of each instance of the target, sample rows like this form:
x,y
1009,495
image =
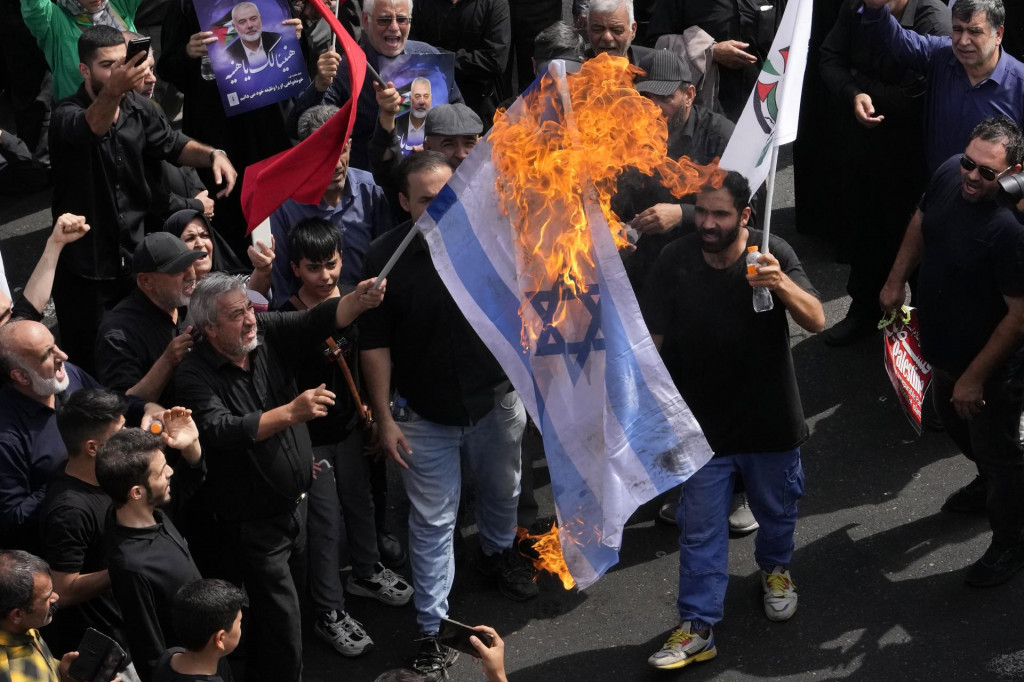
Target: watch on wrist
x,y
215,152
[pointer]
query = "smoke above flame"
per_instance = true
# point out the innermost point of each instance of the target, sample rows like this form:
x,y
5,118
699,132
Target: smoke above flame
x,y
568,140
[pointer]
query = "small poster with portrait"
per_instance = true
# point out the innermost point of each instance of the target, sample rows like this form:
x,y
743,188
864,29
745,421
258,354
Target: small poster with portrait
x,y
423,81
257,60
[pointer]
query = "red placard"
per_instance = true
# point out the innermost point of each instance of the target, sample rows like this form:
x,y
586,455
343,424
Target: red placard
x,y
908,371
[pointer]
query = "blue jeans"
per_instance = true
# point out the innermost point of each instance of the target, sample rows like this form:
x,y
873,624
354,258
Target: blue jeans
x,y
774,482
433,482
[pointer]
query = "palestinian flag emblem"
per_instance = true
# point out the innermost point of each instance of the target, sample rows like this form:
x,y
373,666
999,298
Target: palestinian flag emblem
x,y
765,104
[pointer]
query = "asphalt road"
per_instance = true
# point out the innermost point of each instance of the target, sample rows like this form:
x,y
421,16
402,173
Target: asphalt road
x,y
879,567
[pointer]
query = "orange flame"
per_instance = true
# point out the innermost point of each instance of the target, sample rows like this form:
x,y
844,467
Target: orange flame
x,y
548,549
550,155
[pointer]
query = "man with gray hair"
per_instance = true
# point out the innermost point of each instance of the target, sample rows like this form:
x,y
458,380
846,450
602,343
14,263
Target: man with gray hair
x,y
27,603
240,383
970,78
611,29
352,202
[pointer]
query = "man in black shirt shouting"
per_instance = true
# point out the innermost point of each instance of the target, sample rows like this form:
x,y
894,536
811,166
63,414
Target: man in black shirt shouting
x,y
240,382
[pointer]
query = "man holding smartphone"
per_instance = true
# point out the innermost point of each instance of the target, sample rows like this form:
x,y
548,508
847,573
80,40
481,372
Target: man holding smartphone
x,y
99,139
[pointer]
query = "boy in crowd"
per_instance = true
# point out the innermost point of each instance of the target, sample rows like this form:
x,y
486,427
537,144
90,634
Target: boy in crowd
x,y
207,615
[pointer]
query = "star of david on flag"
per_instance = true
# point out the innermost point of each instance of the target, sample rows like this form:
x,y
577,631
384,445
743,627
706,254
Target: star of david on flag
x,y
616,431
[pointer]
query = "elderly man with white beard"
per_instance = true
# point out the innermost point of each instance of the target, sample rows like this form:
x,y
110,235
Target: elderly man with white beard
x,y
38,379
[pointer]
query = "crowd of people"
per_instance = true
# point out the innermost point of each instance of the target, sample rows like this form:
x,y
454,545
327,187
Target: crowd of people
x,y
190,462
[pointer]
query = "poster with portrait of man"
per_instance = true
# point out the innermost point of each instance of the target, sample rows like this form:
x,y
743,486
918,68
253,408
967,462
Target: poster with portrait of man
x,y
256,60
423,80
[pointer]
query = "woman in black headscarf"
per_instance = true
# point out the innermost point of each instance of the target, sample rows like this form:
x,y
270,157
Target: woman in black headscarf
x,y
193,228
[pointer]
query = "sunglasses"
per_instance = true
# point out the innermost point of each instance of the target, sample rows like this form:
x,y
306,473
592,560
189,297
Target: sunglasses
x,y
968,164
385,21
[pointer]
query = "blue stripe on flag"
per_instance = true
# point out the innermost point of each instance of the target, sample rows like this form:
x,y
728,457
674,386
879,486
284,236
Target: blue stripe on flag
x,y
643,422
468,256
569,490
474,268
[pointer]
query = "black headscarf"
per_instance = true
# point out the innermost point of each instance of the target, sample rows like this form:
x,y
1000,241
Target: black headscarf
x,y
224,258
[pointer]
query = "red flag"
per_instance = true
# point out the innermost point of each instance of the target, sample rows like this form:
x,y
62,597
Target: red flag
x,y
303,172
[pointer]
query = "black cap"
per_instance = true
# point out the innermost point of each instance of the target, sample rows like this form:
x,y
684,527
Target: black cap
x,y
666,71
452,119
163,252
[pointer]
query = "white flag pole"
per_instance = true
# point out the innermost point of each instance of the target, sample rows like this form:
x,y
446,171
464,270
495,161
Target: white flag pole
x,y
770,195
396,255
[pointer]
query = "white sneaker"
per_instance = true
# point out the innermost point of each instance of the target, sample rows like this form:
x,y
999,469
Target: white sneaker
x,y
780,595
683,647
385,586
346,635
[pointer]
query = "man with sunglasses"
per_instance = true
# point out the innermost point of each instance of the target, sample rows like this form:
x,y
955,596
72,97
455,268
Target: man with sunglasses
x,y
386,25
968,248
969,76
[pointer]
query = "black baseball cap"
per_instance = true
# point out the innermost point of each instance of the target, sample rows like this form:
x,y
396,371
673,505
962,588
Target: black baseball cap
x,y
665,72
163,252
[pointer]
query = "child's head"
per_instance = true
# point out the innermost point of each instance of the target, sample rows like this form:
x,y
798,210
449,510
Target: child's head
x,y
208,613
314,248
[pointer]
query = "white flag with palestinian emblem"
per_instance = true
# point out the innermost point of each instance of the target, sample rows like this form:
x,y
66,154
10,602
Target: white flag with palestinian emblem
x,y
773,108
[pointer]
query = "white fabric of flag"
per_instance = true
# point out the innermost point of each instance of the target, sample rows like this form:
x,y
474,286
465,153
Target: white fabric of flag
x,y
616,431
773,108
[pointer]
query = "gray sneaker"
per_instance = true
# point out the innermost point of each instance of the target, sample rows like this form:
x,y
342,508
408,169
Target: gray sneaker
x,y
343,632
684,647
741,519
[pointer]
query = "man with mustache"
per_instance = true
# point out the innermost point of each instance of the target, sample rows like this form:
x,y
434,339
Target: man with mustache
x,y
28,604
970,292
732,366
969,76
144,337
241,383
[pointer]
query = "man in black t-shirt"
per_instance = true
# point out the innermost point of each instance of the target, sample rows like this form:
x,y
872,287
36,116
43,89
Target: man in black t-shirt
x,y
72,522
461,409
970,291
148,559
734,368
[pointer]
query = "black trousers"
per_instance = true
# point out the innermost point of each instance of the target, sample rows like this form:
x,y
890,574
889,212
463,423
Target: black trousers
x,y
991,439
267,558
